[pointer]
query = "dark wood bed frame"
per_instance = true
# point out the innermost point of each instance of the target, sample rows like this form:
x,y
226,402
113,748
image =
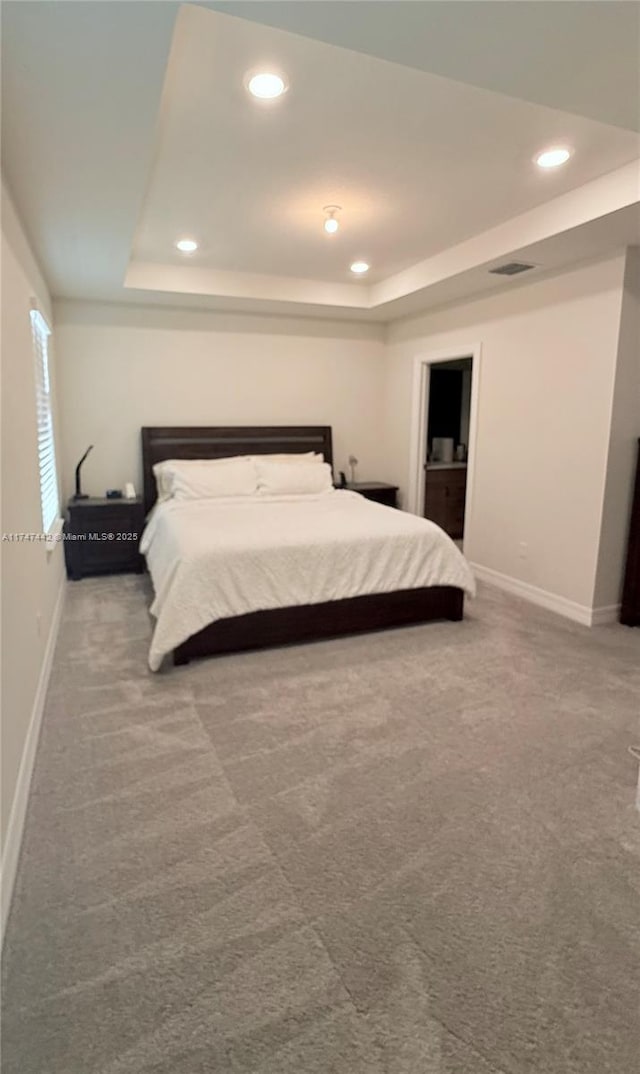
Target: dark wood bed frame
x,y
283,626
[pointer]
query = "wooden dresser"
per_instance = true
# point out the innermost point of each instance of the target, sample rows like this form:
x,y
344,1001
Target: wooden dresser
x,y
444,495
630,607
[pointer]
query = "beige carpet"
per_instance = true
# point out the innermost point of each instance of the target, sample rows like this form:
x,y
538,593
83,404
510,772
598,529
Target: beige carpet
x,y
404,853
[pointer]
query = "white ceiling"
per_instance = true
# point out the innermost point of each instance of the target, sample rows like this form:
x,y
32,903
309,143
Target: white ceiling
x,y
576,56
126,125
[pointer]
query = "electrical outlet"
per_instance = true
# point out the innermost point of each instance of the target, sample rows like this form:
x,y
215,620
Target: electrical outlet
x,y
523,550
39,624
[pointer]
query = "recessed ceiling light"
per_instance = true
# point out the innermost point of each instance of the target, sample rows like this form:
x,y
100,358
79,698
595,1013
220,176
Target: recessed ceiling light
x,y
331,225
187,246
359,267
266,85
553,158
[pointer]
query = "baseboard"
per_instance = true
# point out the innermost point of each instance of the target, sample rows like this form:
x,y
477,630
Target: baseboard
x,y
15,827
579,613
608,613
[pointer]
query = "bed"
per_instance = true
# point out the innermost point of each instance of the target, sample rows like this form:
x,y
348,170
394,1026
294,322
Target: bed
x,y
214,564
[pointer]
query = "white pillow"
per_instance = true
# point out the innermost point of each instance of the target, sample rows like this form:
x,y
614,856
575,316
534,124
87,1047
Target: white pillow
x,y
293,478
164,471
238,478
302,456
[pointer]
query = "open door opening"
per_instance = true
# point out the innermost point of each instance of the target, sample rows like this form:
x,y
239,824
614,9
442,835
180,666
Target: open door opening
x,y
444,430
448,411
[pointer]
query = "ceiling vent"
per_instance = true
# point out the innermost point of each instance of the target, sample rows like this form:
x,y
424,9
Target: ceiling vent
x,y
512,268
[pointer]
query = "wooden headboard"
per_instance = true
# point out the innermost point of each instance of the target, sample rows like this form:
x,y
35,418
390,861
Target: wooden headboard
x,y
162,442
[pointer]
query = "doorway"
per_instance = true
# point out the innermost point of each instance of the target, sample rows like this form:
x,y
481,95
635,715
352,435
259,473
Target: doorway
x,y
445,393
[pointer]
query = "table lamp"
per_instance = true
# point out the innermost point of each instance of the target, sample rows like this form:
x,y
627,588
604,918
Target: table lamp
x,y
79,495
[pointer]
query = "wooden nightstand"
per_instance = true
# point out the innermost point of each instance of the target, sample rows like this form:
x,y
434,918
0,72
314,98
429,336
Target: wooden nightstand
x,y
102,536
376,490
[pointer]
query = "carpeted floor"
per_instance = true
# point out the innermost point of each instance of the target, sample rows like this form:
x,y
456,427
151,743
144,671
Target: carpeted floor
x,y
405,853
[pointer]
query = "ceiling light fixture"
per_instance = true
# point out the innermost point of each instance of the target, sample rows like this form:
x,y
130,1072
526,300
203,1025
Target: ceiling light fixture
x,y
553,158
359,267
187,246
266,85
331,225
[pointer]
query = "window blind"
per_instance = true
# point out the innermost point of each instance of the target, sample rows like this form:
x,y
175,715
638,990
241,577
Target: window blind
x,y
49,501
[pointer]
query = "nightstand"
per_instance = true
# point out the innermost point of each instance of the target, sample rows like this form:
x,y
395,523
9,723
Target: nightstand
x,y
376,490
102,536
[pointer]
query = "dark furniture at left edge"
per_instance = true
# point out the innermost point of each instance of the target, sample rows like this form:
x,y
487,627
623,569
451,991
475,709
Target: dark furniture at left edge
x,y
102,536
630,609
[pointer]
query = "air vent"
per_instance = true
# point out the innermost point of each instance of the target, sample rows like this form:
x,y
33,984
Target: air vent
x,y
512,268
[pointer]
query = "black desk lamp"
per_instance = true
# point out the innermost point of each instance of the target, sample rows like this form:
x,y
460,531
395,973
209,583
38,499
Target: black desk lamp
x,y
81,495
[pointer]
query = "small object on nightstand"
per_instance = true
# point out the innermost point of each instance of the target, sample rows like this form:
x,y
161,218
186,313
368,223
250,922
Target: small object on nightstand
x,y
114,494
353,462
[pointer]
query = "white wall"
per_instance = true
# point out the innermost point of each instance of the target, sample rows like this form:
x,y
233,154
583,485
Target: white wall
x,y
123,367
549,352
549,359
623,443
31,577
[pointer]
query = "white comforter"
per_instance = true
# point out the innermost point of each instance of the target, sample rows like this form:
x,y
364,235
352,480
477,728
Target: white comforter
x,y
212,559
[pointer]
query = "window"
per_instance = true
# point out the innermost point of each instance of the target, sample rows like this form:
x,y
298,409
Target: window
x,y
46,448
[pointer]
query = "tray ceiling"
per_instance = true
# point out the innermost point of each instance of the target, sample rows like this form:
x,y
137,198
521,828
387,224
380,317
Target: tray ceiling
x,y
154,137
